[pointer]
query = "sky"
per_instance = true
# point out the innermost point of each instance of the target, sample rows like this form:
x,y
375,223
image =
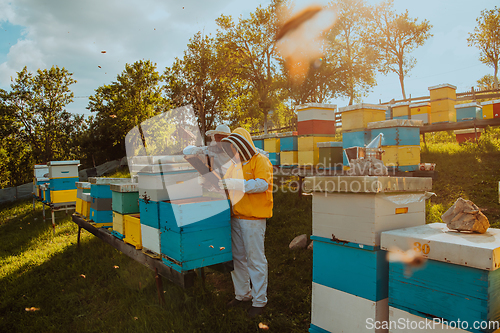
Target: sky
x,y
72,34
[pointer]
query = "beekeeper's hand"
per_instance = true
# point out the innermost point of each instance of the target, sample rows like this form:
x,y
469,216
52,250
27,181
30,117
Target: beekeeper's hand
x,y
232,184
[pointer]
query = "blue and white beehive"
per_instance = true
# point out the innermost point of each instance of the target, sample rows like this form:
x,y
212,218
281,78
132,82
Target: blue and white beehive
x,y
101,210
40,176
195,232
350,273
469,111
460,282
63,176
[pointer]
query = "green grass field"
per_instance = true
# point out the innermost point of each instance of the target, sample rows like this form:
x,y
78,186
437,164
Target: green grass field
x,y
95,288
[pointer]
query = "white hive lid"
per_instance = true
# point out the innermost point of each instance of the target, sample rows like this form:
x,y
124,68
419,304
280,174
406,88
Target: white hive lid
x,y
467,105
395,123
316,105
444,85
442,244
363,106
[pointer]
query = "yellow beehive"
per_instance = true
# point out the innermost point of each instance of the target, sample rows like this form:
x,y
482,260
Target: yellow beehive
x,y
443,116
86,209
487,110
308,158
443,105
118,225
420,108
309,142
289,158
357,117
401,155
79,206
402,109
272,145
443,91
63,196
132,225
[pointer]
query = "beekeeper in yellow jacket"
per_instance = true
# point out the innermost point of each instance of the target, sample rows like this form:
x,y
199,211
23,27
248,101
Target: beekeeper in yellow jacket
x,y
249,180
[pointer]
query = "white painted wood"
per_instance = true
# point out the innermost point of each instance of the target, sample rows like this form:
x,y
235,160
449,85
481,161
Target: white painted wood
x,y
63,171
336,311
40,170
363,106
86,197
366,184
182,189
468,249
150,238
401,321
361,218
316,106
316,114
424,117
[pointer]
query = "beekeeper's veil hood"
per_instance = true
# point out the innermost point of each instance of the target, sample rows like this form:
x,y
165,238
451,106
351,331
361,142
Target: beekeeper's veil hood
x,y
242,141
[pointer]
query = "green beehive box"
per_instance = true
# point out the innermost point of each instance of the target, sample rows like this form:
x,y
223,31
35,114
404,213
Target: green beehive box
x,y
125,198
330,154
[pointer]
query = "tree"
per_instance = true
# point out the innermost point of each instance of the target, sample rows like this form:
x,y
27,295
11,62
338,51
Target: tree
x,y
201,78
396,36
487,82
250,49
486,37
134,97
38,104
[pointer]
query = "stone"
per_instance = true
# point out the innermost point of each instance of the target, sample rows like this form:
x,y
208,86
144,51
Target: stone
x,y
464,215
299,242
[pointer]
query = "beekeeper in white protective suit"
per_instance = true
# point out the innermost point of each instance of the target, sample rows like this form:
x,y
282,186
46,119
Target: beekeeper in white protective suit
x,y
249,180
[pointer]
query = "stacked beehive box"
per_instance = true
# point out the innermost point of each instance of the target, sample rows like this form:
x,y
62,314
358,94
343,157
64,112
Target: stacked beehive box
x,y
63,176
258,142
81,188
101,211
40,176
330,155
459,282
401,110
350,272
272,146
316,119
443,99
421,111
491,109
400,142
355,119
86,201
125,200
45,191
195,232
468,111
469,134
289,150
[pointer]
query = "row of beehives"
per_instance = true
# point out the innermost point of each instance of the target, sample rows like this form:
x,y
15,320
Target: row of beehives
x,y
355,288
166,214
54,182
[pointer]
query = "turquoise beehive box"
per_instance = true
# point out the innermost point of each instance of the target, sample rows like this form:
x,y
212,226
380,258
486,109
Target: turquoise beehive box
x,y
125,198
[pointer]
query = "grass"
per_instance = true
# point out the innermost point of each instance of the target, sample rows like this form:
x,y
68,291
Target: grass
x,y
95,288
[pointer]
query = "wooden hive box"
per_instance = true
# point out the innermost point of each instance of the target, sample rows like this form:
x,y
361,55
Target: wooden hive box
x,y
316,127
288,143
125,198
401,321
357,209
61,184
468,287
396,132
308,158
468,134
82,187
272,145
40,171
132,225
333,310
64,196
150,213
100,186
420,108
118,225
330,155
63,169
289,158
443,91
401,109
86,200
468,111
274,158
310,142
320,111
169,182
150,240
356,117
259,143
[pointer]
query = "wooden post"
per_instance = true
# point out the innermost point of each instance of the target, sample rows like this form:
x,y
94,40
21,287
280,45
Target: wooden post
x,y
475,130
53,221
159,287
78,236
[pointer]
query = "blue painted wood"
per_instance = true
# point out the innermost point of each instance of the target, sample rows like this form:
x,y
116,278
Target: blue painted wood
x,y
469,113
197,263
150,213
400,117
194,215
101,216
348,244
403,168
100,191
189,246
46,196
259,144
125,202
316,329
61,184
356,271
39,182
356,139
117,234
288,143
398,136
274,158
447,291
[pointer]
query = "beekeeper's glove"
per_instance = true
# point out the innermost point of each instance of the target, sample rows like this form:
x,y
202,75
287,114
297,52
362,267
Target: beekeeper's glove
x,y
232,184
